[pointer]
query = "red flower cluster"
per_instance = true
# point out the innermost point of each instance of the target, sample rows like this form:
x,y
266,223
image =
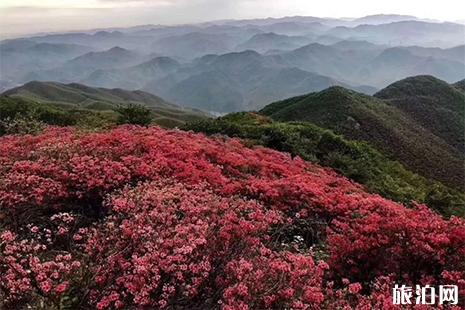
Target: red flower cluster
x,y
153,218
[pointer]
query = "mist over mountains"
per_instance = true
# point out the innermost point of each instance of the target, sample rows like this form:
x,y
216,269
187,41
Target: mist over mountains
x,y
235,65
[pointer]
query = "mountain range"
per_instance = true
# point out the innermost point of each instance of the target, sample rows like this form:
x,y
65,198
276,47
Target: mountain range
x,y
236,65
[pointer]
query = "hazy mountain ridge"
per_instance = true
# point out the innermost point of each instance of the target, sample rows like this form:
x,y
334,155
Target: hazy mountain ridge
x,y
238,81
407,32
271,41
352,53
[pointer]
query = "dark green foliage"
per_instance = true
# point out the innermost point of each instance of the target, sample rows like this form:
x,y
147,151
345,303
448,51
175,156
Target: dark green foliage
x,y
134,114
19,116
15,107
356,160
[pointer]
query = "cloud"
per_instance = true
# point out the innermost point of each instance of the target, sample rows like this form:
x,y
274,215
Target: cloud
x,y
152,3
26,16
17,21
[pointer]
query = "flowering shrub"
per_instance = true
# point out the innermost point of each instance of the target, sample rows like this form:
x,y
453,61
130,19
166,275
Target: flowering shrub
x,y
34,269
149,218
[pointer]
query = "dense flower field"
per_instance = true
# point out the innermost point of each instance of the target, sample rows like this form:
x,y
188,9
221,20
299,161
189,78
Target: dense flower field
x,y
150,218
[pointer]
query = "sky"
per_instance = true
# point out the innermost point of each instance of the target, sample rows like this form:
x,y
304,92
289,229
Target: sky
x,y
21,17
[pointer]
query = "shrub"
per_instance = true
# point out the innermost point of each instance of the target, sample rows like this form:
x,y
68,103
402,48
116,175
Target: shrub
x,y
21,125
11,108
143,221
134,114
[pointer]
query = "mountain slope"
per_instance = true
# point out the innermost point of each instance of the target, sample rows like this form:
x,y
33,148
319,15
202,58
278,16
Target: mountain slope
x,y
366,118
85,97
433,103
356,160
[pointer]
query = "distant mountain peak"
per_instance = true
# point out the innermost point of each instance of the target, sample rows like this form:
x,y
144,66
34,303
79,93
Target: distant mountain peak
x,y
247,54
105,33
163,63
385,18
117,49
312,47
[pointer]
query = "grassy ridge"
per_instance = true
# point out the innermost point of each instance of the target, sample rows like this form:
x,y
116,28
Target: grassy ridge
x,y
386,127
31,112
77,96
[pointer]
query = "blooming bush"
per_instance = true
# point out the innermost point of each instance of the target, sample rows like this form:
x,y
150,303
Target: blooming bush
x,y
35,268
145,217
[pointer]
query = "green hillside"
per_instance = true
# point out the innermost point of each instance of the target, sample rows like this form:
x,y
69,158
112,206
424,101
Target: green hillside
x,y
78,96
356,160
389,129
433,103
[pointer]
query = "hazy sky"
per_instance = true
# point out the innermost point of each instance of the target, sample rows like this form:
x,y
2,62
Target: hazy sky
x,y
32,16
